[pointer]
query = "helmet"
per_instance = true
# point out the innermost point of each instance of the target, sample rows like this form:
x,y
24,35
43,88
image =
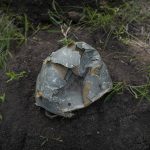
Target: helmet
x,y
71,78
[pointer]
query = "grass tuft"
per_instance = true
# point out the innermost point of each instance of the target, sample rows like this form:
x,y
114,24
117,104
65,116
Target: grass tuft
x,y
118,88
66,41
115,20
139,92
15,76
2,98
55,14
8,32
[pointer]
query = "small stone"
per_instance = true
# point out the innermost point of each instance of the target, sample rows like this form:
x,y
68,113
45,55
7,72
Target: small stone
x,y
74,16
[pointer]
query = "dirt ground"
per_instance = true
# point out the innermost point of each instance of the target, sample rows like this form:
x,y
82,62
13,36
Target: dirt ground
x,y
122,123
37,10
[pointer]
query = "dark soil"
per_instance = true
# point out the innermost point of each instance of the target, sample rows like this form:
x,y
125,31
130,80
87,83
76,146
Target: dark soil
x,y
123,123
37,10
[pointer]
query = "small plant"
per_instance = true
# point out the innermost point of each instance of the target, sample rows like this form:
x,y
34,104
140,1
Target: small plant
x,y
8,32
65,31
66,42
2,98
115,21
56,14
96,19
15,76
118,87
140,92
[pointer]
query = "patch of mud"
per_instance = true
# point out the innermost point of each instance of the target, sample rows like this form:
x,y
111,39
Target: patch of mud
x,y
120,124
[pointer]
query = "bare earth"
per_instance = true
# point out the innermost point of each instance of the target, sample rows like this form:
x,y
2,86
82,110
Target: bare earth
x,y
122,123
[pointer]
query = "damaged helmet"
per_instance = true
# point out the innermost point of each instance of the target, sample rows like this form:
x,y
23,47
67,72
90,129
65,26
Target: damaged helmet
x,y
71,78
